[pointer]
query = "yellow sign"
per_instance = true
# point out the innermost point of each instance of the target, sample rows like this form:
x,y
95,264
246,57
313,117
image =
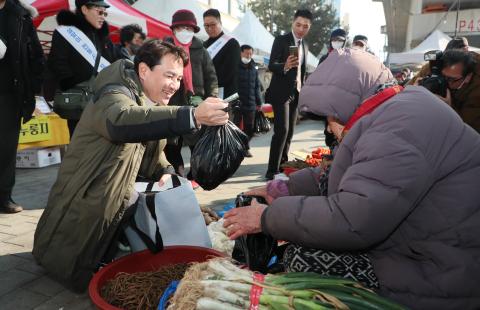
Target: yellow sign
x,y
60,136
37,129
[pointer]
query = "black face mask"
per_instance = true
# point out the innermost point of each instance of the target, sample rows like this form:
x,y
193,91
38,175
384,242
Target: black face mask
x,y
134,48
459,88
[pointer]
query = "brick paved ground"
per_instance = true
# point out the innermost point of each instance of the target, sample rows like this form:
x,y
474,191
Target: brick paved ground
x,y
25,285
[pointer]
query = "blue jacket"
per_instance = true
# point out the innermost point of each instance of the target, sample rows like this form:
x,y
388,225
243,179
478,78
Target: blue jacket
x,y
249,86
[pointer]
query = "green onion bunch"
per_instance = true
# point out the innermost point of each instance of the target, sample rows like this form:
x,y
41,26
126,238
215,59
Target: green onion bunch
x,y
220,285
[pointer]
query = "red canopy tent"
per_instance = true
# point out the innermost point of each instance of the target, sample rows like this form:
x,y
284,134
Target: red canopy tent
x,y
119,15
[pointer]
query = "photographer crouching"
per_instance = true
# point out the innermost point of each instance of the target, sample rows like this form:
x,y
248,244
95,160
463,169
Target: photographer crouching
x,y
457,82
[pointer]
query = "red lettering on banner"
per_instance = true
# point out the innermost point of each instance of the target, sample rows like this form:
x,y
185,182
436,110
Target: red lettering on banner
x,y
461,24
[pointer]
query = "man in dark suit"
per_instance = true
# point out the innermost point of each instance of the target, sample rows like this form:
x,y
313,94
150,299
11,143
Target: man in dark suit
x,y
288,70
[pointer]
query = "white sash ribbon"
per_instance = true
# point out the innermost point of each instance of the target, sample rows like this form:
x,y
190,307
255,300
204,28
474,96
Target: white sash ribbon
x,y
82,44
218,45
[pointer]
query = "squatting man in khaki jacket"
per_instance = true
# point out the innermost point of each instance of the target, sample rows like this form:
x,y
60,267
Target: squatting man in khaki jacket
x,y
119,137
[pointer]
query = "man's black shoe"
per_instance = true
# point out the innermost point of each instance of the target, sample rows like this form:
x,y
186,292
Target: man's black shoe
x,y
10,207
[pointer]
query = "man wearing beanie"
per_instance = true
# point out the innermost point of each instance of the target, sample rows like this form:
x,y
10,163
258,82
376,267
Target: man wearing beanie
x,y
199,82
360,42
224,51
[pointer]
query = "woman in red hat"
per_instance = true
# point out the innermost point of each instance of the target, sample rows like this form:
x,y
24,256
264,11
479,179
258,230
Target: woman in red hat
x,y
199,81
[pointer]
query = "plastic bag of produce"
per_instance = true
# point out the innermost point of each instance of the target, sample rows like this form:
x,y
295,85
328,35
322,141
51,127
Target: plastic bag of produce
x,y
218,154
254,250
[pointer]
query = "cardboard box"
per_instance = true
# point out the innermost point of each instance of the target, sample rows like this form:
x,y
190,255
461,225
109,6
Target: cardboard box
x,y
38,158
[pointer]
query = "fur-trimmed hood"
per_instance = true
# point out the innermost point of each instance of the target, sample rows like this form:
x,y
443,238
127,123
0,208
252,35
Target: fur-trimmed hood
x,y
24,8
68,18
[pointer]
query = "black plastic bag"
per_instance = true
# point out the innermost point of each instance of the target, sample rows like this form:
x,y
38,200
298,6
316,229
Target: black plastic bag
x,y
254,250
256,124
265,122
218,154
261,123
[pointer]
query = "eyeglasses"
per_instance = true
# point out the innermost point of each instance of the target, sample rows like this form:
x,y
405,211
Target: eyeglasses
x,y
210,25
101,12
453,79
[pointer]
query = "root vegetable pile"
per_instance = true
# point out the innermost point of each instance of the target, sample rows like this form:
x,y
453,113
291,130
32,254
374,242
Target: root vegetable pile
x,y
141,290
296,164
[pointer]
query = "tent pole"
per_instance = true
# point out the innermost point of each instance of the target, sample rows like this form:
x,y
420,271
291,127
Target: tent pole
x,y
456,19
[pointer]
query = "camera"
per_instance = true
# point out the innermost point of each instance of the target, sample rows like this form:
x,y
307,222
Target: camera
x,y
244,200
435,82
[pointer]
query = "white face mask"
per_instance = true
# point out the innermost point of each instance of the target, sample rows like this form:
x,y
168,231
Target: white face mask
x,y
3,49
246,60
336,45
184,36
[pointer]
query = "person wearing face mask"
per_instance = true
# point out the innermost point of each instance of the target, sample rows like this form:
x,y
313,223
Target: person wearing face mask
x,y
66,65
455,43
119,138
249,92
199,82
461,69
131,39
338,40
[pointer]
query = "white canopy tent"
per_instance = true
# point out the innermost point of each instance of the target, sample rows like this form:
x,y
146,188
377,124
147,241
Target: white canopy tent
x,y
437,40
251,31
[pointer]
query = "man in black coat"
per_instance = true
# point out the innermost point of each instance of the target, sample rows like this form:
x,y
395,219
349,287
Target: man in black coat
x,y
224,51
65,63
21,69
288,76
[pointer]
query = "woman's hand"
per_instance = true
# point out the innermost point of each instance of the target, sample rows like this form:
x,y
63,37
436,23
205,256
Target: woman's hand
x,y
260,191
245,220
164,179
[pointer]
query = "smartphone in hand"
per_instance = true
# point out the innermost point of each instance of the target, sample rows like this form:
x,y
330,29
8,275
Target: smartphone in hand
x,y
293,50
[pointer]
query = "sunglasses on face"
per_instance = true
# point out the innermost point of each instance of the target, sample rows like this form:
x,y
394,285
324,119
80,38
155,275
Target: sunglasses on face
x,y
101,12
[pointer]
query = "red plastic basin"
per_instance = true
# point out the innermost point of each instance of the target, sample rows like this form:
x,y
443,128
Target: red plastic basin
x,y
145,261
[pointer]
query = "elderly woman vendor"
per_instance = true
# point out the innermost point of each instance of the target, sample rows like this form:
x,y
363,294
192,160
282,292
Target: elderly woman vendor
x,y
402,211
